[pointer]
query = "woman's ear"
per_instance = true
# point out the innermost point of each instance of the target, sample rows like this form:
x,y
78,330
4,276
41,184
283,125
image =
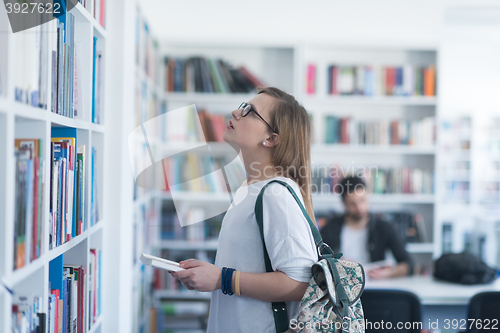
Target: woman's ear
x,y
271,141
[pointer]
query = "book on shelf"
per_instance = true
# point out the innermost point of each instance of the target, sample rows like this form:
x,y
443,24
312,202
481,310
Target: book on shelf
x,y
27,314
28,214
67,187
311,79
347,130
100,11
206,75
404,180
97,83
94,286
63,69
94,209
375,80
31,74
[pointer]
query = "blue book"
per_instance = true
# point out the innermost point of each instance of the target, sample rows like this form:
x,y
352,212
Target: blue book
x,y
399,80
368,81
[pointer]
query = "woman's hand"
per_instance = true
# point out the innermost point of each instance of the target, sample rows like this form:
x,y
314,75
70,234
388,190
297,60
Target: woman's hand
x,y
199,275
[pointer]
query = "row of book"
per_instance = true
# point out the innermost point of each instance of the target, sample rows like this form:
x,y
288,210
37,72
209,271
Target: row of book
x,y
68,187
206,230
27,314
28,213
32,49
347,130
184,172
146,49
368,80
404,180
182,127
72,287
63,67
207,75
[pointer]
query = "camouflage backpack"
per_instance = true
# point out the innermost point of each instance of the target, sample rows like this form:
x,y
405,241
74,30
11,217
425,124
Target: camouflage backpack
x,y
331,302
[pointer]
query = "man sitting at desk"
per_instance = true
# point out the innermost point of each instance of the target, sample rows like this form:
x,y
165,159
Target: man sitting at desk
x,y
362,237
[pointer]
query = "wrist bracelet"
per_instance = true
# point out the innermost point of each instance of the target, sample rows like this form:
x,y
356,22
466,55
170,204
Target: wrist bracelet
x,y
237,283
223,286
229,281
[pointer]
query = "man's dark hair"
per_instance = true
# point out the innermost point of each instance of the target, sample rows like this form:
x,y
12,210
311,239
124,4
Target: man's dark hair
x,y
350,185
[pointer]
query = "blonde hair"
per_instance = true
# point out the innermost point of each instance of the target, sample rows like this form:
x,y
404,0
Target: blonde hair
x,y
292,154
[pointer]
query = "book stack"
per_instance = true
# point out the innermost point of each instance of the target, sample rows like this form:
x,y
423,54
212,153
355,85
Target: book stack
x,y
67,187
27,315
346,130
31,75
28,215
405,180
206,75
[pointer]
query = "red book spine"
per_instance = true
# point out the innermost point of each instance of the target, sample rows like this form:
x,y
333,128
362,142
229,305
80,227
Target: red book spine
x,y
311,78
56,321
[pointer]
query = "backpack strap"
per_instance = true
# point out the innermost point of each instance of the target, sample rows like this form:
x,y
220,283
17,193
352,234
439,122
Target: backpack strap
x,y
279,308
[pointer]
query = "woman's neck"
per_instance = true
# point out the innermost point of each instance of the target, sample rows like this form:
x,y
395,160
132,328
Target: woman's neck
x,y
258,168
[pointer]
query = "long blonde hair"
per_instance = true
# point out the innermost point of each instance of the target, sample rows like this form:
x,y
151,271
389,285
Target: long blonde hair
x,y
292,154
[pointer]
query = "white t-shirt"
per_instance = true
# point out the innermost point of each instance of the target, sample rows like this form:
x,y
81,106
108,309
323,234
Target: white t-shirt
x,y
353,244
289,243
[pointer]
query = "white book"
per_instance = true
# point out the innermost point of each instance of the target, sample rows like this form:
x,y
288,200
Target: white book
x,y
157,262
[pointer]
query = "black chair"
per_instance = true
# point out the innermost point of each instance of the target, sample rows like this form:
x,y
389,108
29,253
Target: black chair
x,y
386,309
484,308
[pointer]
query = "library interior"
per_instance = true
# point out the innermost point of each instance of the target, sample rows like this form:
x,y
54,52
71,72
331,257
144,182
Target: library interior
x,y
120,159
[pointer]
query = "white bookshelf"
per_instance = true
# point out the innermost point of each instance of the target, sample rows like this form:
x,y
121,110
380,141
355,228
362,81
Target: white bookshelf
x,y
18,120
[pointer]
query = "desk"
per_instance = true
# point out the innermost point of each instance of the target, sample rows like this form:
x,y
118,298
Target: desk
x,y
440,300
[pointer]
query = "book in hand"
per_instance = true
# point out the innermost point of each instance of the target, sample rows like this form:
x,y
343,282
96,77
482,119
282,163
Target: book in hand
x,y
157,262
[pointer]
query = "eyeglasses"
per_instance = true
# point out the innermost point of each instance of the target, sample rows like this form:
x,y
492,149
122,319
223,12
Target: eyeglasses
x,y
247,108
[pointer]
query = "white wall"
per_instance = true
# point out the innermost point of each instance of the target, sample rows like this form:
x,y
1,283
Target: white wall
x,y
400,22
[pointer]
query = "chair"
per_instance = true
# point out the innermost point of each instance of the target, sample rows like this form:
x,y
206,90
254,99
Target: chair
x,y
485,307
393,307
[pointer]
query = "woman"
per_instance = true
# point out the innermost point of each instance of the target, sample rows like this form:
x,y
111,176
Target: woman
x,y
272,132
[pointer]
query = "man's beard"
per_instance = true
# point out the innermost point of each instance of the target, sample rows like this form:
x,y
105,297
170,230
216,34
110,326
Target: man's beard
x,y
356,218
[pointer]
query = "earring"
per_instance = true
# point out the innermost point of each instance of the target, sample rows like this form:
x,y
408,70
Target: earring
x,y
264,143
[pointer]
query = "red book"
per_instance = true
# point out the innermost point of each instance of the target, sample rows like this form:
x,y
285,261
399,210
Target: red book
x,y
311,79
390,79
255,81
56,321
334,83
394,133
101,12
430,81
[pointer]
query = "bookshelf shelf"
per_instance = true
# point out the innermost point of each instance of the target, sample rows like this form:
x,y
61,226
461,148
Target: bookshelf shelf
x,y
187,245
332,101
21,274
97,325
56,252
232,100
317,149
322,199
